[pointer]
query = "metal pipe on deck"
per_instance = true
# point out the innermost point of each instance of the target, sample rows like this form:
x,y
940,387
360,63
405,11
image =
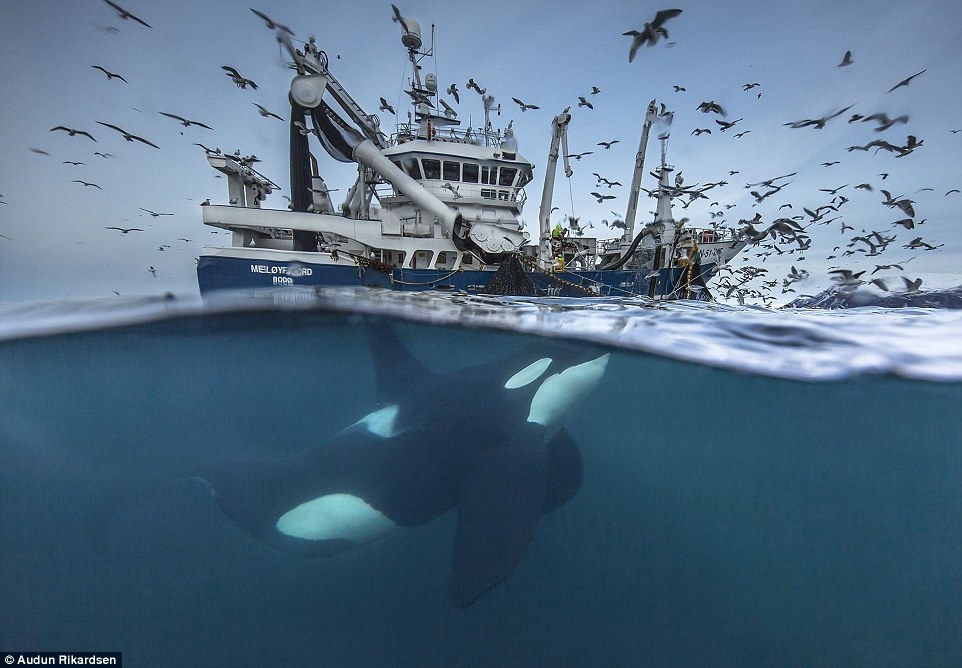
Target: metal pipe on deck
x,y
367,154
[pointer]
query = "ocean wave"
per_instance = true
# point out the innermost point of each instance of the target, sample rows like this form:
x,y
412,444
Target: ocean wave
x,y
798,344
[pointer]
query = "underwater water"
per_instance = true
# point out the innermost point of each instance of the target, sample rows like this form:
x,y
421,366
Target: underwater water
x,y
759,488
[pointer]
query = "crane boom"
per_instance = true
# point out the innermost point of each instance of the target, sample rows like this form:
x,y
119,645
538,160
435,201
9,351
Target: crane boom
x,y
559,137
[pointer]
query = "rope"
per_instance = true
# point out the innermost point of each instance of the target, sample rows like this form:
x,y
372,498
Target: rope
x,y
555,277
436,280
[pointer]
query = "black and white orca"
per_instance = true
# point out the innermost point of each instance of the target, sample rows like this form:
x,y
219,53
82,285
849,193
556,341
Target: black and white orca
x,y
486,440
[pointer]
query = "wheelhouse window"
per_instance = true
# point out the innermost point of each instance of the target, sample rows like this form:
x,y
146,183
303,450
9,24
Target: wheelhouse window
x,y
506,176
451,171
469,172
412,168
432,168
489,175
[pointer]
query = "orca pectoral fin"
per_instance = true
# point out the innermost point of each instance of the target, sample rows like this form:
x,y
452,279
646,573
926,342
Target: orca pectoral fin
x,y
563,471
499,509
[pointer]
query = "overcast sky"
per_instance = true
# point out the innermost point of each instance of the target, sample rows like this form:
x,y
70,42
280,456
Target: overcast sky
x,y
54,244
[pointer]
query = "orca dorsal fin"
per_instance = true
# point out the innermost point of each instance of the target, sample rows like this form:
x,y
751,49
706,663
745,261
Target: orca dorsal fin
x,y
395,368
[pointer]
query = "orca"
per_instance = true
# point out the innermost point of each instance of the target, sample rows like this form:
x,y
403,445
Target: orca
x,y
487,441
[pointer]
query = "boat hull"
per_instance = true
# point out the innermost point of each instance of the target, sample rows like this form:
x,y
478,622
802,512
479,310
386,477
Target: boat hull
x,y
224,272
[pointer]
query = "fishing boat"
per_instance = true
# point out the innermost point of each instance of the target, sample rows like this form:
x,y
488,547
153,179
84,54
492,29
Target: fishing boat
x,y
437,206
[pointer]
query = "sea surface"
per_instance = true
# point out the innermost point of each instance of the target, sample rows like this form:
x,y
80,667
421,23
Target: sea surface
x,y
760,487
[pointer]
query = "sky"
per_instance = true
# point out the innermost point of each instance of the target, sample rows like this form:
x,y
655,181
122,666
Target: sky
x,y
54,243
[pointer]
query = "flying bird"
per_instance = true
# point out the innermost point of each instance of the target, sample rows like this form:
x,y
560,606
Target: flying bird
x,y
183,121
110,75
846,60
818,123
726,124
155,214
74,163
40,151
236,77
125,230
127,135
271,24
651,33
473,84
266,113
87,184
884,122
124,14
385,106
905,81
608,144
524,106
454,92
582,102
72,132
706,107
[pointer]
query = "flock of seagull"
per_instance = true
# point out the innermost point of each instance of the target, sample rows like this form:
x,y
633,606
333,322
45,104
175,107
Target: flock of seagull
x,y
785,235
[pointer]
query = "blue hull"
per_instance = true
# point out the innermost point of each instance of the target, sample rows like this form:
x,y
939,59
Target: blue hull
x,y
229,273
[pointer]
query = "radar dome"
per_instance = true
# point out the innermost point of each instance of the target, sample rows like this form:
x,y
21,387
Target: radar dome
x,y
431,82
411,37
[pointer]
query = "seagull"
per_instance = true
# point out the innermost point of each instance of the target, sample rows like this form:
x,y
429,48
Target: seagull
x,y
582,102
266,113
273,25
385,106
706,107
905,81
152,270
473,84
127,135
739,135
155,214
110,75
87,184
912,286
183,121
578,156
608,144
524,106
104,155
73,162
651,33
725,124
454,190
884,122
237,78
679,89
699,131
455,93
846,60
125,230
72,132
124,14
818,123
399,19
595,90
40,151
749,86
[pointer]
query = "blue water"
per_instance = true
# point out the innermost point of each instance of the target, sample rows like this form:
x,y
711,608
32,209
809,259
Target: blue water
x,y
759,488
